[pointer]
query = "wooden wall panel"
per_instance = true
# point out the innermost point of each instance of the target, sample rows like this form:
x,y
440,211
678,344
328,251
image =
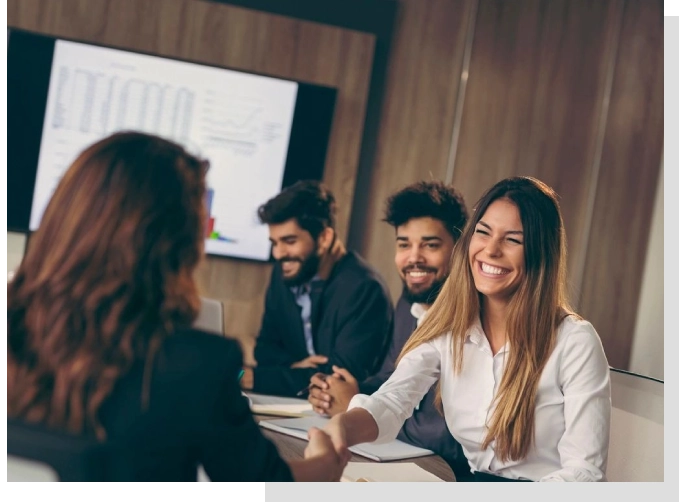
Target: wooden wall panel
x,y
629,171
417,116
343,59
534,100
242,39
536,103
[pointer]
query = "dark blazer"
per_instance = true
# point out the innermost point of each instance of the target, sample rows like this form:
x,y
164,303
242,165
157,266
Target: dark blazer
x,y
196,415
351,324
426,427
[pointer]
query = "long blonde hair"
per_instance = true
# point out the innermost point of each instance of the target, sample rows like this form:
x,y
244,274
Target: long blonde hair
x,y
107,276
533,314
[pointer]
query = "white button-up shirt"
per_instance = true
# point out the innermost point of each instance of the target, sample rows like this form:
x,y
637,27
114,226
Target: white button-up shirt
x,y
572,408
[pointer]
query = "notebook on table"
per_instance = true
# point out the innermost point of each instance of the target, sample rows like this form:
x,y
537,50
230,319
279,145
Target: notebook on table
x,y
278,406
406,471
394,450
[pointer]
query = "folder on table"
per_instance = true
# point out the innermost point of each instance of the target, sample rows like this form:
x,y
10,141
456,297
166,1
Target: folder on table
x,y
394,450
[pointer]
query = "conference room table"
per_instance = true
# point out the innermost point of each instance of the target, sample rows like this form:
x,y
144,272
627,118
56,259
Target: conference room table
x,y
292,448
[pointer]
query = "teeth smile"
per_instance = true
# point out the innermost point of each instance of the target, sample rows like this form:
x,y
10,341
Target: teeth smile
x,y
417,274
489,269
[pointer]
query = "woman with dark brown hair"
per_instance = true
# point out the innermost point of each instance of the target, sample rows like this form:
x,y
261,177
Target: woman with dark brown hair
x,y
99,324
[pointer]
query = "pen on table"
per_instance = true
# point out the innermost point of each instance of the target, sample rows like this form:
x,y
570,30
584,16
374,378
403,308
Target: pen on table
x,y
303,391
306,390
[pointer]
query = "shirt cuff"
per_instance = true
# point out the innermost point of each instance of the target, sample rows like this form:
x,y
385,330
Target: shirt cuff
x,y
388,424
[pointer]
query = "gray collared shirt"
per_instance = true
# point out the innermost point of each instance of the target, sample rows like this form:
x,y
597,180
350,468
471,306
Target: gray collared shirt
x,y
302,295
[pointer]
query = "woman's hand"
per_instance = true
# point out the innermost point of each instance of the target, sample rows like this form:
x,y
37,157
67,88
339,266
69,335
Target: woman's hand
x,y
328,452
336,430
321,448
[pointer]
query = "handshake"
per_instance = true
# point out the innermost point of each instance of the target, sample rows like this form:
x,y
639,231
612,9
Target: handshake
x,y
330,395
328,451
328,448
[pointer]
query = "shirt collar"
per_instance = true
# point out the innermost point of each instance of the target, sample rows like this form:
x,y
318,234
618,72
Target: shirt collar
x,y
477,336
305,288
419,312
476,333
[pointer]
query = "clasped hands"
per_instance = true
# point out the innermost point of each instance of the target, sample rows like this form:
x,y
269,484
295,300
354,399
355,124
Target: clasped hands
x,y
331,394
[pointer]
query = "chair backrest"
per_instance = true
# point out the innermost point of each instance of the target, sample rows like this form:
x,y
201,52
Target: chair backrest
x,y
211,316
636,443
37,454
21,469
201,475
16,245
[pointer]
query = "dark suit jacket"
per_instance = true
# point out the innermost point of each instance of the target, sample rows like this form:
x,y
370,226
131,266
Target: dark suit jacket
x,y
426,427
351,324
196,415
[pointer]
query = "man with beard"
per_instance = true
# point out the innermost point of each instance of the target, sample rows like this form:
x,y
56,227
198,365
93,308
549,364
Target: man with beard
x,y
324,305
428,218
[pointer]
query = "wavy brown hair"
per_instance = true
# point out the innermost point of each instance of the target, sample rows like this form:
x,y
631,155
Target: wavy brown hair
x,y
535,310
106,277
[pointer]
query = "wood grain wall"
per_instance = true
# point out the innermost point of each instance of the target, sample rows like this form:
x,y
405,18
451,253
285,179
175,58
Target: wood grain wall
x,y
570,91
242,39
534,100
629,169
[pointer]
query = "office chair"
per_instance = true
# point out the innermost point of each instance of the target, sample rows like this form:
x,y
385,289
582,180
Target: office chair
x,y
211,316
21,469
35,453
16,248
38,457
636,443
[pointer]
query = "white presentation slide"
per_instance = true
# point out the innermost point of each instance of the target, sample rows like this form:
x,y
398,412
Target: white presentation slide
x,y
240,122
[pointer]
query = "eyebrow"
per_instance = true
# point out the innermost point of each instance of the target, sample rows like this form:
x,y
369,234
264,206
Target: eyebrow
x,y
424,238
284,237
507,232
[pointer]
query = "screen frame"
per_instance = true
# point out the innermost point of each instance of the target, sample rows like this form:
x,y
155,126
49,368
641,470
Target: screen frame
x,y
309,140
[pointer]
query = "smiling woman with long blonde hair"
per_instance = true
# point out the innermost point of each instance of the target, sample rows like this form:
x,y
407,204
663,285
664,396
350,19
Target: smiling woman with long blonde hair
x,y
99,320
524,380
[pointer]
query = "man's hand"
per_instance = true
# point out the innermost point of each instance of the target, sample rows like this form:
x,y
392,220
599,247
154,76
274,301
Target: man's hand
x,y
246,382
310,362
330,395
317,394
342,387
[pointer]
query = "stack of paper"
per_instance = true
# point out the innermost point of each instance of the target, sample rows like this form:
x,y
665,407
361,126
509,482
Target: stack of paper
x,y
407,471
394,450
278,406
